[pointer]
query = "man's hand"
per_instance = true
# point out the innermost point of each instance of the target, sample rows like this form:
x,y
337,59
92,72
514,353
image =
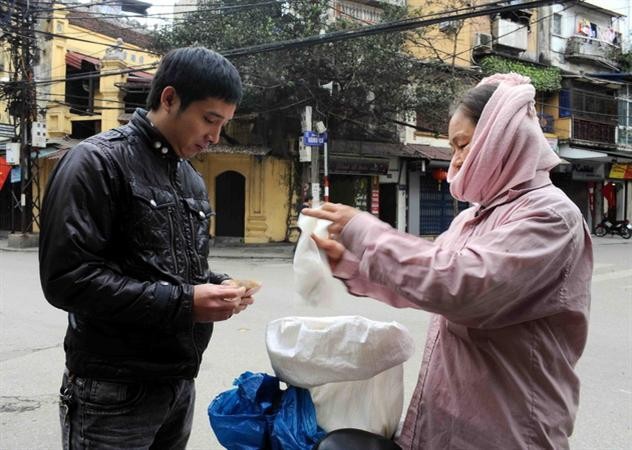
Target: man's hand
x,y
213,302
242,302
337,213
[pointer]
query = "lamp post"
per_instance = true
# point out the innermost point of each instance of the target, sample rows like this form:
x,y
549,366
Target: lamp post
x,y
322,132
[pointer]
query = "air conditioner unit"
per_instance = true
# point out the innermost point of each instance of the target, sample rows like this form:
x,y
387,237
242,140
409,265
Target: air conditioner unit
x,y
483,40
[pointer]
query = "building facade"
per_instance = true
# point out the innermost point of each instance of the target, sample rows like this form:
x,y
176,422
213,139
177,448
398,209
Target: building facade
x,y
248,189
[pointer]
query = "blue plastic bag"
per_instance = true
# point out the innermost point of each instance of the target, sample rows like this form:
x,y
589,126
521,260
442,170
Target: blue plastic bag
x,y
242,416
295,426
258,415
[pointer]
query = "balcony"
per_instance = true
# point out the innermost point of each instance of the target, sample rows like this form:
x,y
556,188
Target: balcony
x,y
583,49
586,130
379,3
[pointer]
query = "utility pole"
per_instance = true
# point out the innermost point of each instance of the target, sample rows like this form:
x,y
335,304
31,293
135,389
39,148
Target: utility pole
x,y
20,94
308,135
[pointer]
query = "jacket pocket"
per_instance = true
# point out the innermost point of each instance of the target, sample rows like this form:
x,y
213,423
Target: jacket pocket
x,y
151,229
109,398
151,216
199,215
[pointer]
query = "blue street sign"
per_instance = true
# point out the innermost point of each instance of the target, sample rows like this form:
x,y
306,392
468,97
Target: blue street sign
x,y
313,139
16,174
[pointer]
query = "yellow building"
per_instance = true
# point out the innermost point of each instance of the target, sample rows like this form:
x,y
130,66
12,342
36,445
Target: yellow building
x,y
459,42
248,189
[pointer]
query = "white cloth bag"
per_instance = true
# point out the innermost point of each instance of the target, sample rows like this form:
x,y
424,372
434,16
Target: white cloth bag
x,y
351,365
312,275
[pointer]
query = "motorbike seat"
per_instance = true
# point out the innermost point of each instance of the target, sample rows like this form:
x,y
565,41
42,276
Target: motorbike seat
x,y
354,439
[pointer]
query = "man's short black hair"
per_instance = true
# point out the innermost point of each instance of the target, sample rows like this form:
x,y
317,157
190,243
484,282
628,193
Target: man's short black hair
x,y
196,73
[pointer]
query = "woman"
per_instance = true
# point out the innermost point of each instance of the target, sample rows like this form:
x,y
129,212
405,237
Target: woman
x,y
509,282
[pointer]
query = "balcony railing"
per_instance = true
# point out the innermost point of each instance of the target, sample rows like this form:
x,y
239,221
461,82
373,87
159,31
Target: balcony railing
x,y
583,48
586,130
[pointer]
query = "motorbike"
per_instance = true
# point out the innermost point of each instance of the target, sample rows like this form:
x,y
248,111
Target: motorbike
x,y
354,439
621,227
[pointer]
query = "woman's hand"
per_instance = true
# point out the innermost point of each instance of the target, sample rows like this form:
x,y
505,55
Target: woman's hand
x,y
332,248
337,213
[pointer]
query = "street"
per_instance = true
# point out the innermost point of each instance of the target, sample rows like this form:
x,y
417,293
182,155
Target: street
x,y
31,354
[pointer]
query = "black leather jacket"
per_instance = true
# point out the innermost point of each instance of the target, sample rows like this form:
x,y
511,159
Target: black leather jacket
x,y
123,240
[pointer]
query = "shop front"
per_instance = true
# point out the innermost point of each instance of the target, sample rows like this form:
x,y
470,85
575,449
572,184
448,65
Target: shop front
x,y
617,192
368,176
431,206
582,179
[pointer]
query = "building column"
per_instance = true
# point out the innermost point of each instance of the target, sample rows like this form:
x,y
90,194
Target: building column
x,y
256,225
110,93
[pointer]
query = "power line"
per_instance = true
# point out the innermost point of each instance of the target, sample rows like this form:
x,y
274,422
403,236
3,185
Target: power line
x,y
539,19
370,30
80,5
335,36
97,74
101,15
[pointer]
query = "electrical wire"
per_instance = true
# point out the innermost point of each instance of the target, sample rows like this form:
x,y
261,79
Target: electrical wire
x,y
370,30
227,53
180,13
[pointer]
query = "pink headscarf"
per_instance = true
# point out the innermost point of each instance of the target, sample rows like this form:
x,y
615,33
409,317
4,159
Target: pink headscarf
x,y
508,146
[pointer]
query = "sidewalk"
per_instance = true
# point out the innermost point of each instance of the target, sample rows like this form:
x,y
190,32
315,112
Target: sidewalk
x,y
277,250
283,250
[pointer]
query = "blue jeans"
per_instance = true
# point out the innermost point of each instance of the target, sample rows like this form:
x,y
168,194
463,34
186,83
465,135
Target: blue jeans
x,y
110,415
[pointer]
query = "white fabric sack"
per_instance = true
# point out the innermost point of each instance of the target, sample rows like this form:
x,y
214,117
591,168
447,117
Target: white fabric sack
x,y
312,275
352,366
373,405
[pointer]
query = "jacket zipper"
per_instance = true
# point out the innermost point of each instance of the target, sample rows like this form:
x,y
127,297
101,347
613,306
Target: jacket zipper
x,y
173,240
194,248
173,174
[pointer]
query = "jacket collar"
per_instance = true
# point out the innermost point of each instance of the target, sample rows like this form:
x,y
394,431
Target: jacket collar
x,y
151,135
541,179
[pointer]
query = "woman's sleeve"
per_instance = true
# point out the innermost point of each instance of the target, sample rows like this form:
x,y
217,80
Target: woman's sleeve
x,y
510,274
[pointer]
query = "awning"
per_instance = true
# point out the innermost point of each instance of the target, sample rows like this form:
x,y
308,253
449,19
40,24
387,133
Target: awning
x,y
574,153
342,164
255,150
368,148
620,156
139,77
430,152
74,59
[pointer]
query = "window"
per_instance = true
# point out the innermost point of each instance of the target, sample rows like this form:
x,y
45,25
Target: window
x,y
593,106
565,103
81,85
557,24
624,129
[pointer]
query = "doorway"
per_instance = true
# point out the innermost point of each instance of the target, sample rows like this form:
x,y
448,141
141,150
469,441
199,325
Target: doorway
x,y
230,202
437,206
388,203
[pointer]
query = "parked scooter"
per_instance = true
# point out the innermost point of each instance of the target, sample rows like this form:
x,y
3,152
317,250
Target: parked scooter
x,y
621,227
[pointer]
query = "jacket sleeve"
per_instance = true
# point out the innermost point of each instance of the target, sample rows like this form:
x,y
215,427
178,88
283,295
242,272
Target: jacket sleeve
x,y
513,273
217,277
78,214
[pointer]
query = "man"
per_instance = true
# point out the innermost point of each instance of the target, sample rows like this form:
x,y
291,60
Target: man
x,y
124,246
